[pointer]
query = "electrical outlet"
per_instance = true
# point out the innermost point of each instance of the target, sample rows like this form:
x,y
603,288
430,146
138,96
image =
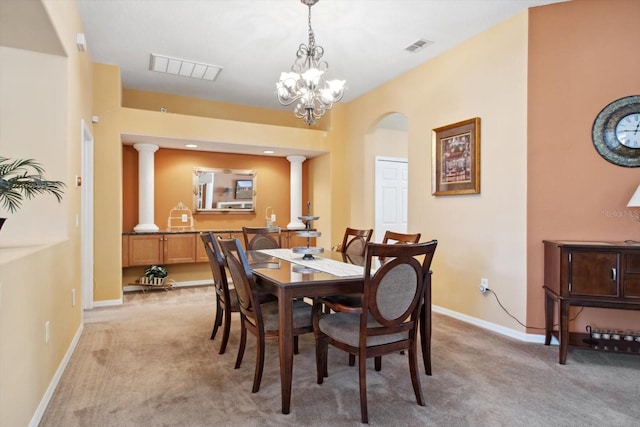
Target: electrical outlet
x,y
484,285
47,332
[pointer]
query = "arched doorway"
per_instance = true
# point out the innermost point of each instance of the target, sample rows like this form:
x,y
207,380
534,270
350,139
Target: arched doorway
x,y
388,142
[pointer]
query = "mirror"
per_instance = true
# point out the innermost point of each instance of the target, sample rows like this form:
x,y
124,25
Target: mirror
x,y
223,190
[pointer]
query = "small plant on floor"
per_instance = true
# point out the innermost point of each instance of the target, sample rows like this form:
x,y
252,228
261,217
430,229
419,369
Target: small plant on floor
x,y
155,274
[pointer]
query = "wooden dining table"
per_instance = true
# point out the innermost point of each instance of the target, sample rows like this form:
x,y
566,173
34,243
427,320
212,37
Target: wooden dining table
x,y
288,280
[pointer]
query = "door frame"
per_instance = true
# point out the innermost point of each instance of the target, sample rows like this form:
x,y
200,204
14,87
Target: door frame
x,y
86,217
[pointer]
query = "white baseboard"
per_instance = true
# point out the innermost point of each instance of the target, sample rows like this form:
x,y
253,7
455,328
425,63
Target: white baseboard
x,y
521,336
44,402
107,303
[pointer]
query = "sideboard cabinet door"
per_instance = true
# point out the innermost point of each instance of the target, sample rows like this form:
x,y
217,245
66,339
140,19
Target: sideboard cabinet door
x,y
145,249
595,274
179,248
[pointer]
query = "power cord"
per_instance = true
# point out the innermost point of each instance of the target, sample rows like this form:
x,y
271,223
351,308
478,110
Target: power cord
x,y
516,319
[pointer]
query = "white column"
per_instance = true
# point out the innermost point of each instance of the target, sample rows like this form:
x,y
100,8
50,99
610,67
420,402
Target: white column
x,y
296,191
145,188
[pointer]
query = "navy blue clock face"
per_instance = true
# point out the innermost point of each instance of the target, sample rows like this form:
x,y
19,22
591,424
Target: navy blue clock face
x,y
616,132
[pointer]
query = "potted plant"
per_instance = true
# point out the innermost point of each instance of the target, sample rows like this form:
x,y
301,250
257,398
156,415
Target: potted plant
x,y
23,178
155,274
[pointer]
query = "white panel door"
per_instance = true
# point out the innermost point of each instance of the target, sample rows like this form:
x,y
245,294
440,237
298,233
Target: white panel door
x,y
392,181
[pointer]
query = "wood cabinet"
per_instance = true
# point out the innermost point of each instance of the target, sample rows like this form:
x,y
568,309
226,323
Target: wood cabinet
x,y
588,274
161,248
143,249
183,247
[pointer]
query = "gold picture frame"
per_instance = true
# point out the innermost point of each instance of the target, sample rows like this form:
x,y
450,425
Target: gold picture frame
x,y
456,158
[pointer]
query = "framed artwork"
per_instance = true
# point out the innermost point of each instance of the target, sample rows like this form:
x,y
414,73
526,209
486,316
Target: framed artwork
x,y
456,158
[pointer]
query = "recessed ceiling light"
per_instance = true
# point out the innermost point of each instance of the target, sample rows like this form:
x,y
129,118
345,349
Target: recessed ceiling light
x,y
191,145
268,151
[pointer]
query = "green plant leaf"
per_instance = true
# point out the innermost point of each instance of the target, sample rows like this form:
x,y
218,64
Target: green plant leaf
x,y
23,178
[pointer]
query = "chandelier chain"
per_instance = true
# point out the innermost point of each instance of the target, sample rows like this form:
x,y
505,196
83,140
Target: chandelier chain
x,y
312,38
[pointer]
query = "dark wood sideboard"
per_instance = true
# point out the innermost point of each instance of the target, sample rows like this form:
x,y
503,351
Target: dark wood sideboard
x,y
589,274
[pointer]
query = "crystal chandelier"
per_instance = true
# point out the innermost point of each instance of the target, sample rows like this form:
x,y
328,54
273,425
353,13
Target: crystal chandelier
x,y
305,84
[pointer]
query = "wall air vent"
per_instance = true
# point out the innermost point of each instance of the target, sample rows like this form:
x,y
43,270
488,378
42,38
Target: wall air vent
x,y
418,45
182,67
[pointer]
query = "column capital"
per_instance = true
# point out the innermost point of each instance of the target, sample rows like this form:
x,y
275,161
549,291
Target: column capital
x,y
296,159
146,147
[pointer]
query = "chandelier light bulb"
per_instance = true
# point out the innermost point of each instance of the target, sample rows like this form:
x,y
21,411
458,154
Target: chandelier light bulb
x,y
304,84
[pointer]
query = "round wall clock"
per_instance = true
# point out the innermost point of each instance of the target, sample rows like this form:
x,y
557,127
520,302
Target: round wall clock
x,y
616,132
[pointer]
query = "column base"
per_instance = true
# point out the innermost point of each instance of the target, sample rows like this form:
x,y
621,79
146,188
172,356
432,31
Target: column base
x,y
146,228
295,226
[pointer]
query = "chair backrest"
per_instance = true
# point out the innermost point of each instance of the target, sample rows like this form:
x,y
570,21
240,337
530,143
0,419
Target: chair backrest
x,y
355,241
262,238
243,280
353,259
217,264
399,239
393,293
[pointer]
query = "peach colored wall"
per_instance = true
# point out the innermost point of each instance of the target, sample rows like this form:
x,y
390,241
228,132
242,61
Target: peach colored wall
x,y
145,100
480,235
116,120
173,184
583,55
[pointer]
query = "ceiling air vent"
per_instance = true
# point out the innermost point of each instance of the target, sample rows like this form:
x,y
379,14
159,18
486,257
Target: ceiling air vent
x,y
182,67
418,45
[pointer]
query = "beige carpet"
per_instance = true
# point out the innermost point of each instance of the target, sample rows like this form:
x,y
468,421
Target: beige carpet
x,y
150,363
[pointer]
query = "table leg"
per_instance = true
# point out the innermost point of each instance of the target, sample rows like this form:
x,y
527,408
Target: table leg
x,y
285,335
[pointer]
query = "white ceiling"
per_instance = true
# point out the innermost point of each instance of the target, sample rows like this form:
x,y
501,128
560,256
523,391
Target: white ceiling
x,y
255,40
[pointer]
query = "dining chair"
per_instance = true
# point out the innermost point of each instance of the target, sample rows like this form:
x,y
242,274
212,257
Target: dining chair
x,y
354,300
226,298
390,237
387,321
353,245
355,240
259,319
399,239
262,238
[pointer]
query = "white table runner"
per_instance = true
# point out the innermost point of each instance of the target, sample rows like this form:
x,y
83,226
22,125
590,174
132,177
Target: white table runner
x,y
325,265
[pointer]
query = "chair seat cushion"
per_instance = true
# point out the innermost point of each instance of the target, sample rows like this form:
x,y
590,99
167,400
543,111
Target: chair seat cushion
x,y
345,327
301,315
